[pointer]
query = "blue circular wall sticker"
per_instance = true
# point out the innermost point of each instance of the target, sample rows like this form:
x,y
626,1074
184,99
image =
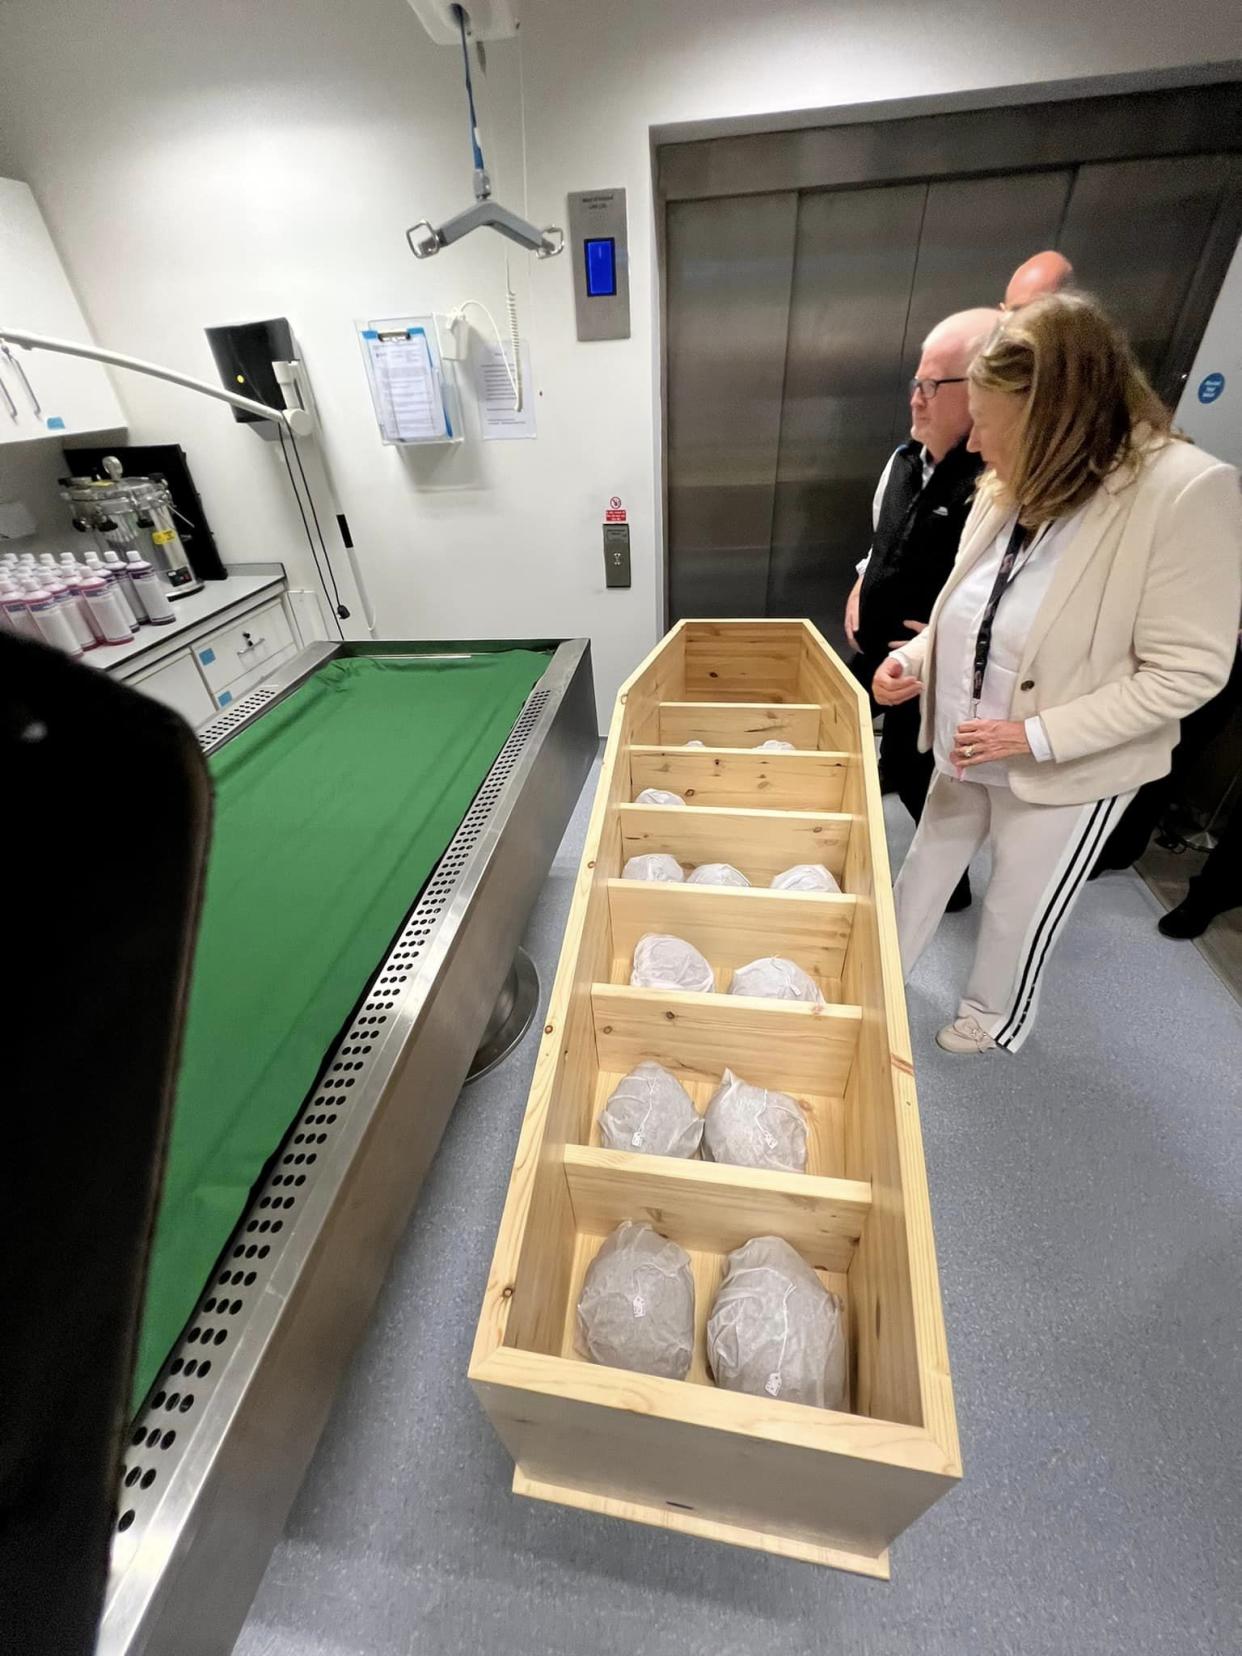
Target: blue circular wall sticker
x,y
1210,387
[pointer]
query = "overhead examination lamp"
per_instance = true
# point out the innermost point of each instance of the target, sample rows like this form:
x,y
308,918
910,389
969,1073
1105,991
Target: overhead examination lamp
x,y
294,416
425,239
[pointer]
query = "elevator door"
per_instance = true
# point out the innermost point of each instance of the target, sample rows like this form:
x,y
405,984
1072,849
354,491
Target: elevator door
x,y
794,320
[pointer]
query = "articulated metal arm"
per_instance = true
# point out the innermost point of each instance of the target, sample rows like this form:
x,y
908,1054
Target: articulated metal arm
x,y
485,214
297,420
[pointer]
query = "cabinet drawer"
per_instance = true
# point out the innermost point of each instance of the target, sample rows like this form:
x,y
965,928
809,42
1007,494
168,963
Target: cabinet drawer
x,y
235,651
179,685
241,686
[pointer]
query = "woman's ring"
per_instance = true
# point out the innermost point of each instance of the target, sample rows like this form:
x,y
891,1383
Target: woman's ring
x,y
969,750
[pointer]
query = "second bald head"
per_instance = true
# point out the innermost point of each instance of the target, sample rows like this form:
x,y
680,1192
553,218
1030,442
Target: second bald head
x,y
1044,273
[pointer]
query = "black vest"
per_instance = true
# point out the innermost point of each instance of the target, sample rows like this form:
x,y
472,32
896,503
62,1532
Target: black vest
x,y
914,545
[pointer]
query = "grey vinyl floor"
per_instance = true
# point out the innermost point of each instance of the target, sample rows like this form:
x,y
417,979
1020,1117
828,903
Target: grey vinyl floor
x,y
1088,1205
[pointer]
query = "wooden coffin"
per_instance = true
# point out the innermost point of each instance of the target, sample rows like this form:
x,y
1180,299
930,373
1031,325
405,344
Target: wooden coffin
x,y
827,1487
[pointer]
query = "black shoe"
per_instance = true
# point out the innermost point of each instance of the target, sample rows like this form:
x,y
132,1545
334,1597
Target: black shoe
x,y
1188,919
961,897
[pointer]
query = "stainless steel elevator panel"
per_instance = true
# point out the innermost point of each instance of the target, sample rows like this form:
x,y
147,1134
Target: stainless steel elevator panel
x,y
874,271
853,268
975,233
784,388
1134,231
729,267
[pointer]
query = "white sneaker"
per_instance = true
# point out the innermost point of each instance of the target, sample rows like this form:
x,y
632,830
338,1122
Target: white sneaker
x,y
965,1034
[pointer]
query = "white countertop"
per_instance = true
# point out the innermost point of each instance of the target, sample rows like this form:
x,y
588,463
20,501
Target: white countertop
x,y
193,613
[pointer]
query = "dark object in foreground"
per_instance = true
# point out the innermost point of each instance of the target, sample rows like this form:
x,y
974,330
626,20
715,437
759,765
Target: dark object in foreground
x,y
101,933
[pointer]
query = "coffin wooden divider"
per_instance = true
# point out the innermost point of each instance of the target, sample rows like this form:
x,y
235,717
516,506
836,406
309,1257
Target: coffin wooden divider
x,y
759,843
732,724
794,781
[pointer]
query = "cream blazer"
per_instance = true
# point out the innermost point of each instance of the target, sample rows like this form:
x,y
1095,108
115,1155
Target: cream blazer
x,y
1138,628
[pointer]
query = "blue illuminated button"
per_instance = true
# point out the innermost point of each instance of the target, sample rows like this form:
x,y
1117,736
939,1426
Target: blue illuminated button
x,y
601,267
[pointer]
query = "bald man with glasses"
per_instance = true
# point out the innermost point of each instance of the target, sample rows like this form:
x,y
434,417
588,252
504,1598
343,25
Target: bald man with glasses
x,y
921,503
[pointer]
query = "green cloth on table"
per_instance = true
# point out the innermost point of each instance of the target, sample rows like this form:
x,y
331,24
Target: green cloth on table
x,y
330,814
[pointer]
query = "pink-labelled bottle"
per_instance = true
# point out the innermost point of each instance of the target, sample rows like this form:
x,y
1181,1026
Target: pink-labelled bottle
x,y
112,581
75,611
150,591
125,587
52,622
105,608
76,582
17,612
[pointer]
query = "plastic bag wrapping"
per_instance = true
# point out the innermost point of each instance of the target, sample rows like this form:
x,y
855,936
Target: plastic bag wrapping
x,y
775,979
752,1127
651,1113
805,877
772,745
636,1309
658,796
655,865
775,1330
717,874
662,962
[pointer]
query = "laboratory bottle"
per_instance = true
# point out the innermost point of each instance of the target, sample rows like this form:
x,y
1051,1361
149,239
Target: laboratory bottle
x,y
150,590
17,614
69,601
112,580
125,586
52,622
80,617
78,588
105,607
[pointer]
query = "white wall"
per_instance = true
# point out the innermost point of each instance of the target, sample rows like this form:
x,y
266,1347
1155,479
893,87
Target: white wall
x,y
202,161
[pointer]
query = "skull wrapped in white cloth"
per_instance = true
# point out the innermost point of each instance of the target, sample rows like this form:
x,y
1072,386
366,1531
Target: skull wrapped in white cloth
x,y
652,1114
662,962
636,1309
775,978
658,796
805,877
775,1330
772,745
753,1127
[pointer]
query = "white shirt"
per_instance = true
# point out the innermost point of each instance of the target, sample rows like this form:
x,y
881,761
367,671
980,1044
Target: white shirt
x,y
929,466
958,629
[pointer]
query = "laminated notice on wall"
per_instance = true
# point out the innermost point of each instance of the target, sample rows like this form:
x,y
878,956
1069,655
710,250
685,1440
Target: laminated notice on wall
x,y
498,419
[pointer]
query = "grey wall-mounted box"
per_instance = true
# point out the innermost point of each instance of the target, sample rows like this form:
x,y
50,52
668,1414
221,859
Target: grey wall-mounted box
x,y
600,249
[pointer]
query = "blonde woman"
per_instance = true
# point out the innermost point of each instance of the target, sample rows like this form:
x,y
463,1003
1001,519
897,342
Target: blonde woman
x,y
1094,603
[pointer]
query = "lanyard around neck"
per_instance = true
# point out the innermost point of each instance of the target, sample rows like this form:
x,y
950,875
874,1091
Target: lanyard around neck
x,y
1011,565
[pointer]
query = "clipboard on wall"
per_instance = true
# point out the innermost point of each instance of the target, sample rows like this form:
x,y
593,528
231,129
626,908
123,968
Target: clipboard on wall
x,y
412,390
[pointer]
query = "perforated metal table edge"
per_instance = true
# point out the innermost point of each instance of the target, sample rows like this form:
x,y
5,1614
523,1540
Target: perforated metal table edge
x,y
174,1439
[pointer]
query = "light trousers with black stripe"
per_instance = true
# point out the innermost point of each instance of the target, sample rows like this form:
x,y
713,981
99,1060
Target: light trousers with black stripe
x,y
1041,857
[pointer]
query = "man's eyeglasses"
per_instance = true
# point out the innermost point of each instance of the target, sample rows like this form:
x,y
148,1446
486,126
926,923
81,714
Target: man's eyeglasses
x,y
927,388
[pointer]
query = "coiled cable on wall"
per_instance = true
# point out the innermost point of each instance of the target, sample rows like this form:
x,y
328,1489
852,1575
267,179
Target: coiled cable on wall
x,y
514,370
511,306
